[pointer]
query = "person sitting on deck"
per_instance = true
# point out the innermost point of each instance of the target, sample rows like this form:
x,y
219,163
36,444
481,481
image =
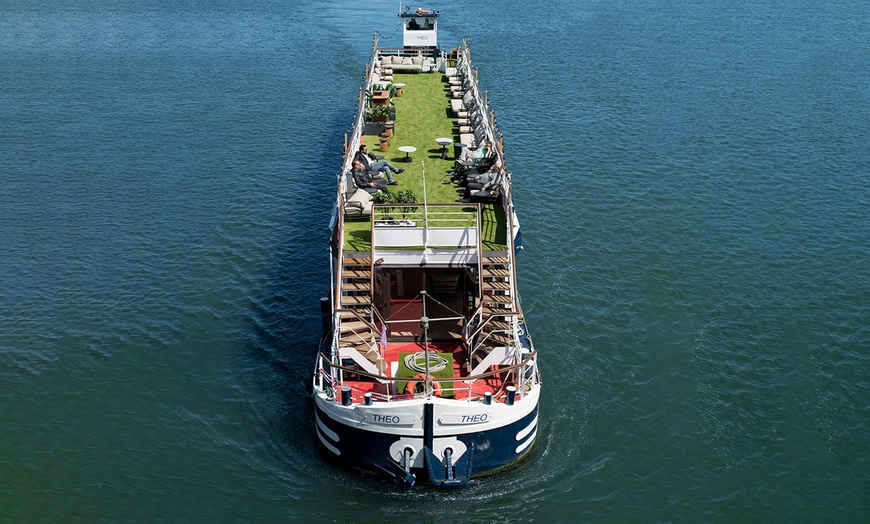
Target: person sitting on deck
x,y
489,163
478,183
471,161
362,177
475,156
375,165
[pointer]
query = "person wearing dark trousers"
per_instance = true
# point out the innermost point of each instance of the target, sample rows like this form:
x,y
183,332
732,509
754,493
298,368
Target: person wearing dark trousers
x,y
475,184
374,165
362,177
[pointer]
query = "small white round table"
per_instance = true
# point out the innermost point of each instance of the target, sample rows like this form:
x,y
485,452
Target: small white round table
x,y
407,150
444,142
398,89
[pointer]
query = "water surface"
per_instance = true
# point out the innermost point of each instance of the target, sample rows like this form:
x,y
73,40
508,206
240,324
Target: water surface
x,y
692,182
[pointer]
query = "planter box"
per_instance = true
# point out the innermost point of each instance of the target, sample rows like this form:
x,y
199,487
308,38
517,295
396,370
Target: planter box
x,y
373,128
396,223
380,98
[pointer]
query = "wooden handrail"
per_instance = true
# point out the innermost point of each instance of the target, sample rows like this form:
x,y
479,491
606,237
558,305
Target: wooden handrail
x,y
357,315
483,324
452,379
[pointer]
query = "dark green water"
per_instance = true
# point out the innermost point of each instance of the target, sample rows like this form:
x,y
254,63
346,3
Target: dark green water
x,y
693,181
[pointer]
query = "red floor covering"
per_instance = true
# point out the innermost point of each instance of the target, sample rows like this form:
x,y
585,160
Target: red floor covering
x,y
490,384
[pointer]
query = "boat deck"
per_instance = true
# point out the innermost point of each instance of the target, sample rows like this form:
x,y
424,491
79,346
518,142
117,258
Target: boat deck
x,y
427,359
449,262
394,354
422,115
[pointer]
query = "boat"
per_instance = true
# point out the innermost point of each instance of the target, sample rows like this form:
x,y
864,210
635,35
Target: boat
x,y
426,367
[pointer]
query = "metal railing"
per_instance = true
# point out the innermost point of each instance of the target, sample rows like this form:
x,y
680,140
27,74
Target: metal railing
x,y
491,132
329,383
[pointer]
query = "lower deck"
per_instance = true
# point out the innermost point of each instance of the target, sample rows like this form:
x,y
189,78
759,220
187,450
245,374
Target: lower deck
x,y
466,313
457,367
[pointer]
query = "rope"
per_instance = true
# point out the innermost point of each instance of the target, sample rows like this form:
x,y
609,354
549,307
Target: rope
x,y
430,297
413,361
381,37
445,306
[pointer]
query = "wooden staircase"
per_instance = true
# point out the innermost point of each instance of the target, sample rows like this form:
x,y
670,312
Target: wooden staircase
x,y
499,305
495,286
356,296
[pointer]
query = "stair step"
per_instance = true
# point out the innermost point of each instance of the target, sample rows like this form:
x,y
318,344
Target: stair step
x,y
356,273
356,286
354,326
363,312
356,338
494,272
497,299
496,339
356,261
349,300
495,285
494,325
498,312
495,260
362,309
504,308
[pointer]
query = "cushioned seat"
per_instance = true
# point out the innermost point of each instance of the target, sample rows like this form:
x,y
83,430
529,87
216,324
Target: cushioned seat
x,y
489,191
404,63
473,139
466,103
359,205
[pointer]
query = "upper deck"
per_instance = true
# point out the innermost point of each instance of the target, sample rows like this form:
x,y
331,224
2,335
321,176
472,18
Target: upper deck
x,y
423,104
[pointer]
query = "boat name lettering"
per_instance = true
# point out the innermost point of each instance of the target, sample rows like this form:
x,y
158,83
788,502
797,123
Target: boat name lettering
x,y
391,420
458,419
386,419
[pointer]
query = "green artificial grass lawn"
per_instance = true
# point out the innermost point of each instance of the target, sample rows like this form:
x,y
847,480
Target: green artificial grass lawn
x,y
422,115
405,372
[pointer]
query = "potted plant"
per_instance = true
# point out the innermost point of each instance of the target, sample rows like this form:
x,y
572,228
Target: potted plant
x,y
391,89
381,94
406,197
374,113
383,89
385,197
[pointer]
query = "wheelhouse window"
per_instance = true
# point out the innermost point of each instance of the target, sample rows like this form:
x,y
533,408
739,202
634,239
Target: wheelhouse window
x,y
420,24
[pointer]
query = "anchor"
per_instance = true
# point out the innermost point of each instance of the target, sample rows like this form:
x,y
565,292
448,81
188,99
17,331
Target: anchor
x,y
450,475
400,475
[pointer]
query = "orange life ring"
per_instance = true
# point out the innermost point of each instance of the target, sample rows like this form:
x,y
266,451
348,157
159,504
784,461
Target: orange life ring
x,y
411,386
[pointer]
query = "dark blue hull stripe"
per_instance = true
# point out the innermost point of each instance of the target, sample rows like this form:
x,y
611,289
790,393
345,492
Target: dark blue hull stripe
x,y
493,448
